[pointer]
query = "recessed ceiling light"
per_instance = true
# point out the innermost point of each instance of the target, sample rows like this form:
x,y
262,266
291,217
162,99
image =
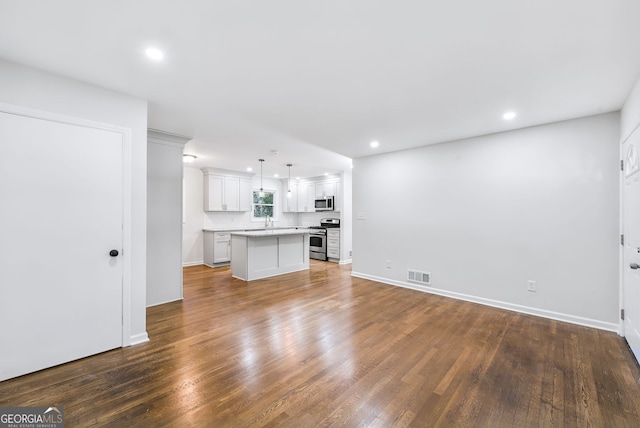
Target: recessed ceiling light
x,y
154,54
326,173
276,175
509,115
374,144
249,169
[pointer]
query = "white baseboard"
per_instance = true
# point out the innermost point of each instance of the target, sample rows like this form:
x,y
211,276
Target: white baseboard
x,y
185,264
137,339
345,262
572,319
177,299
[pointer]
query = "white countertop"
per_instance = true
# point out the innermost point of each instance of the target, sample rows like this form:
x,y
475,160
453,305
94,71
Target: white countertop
x,y
253,229
271,232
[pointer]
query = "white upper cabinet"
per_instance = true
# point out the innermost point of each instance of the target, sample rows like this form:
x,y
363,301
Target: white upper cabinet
x,y
304,193
231,194
325,188
306,196
289,200
226,190
213,191
246,194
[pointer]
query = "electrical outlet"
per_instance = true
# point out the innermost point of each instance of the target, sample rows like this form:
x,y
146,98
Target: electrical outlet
x,y
388,264
531,286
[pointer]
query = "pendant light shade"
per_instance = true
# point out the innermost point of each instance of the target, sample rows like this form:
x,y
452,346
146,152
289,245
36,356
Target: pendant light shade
x,y
261,194
289,182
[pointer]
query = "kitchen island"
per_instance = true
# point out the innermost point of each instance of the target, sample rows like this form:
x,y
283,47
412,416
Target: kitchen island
x,y
264,253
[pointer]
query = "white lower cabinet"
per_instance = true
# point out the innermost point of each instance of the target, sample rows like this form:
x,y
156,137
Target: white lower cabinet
x,y
221,247
263,254
217,248
333,245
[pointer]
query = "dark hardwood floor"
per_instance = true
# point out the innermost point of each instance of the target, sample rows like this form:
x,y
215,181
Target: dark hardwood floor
x,y
321,348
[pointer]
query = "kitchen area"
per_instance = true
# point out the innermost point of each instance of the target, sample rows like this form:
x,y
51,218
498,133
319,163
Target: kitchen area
x,y
277,225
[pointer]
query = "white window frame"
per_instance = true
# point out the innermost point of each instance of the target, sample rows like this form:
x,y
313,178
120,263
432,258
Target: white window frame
x,y
276,205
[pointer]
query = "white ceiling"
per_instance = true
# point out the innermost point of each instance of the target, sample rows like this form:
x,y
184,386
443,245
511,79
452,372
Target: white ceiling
x,y
319,80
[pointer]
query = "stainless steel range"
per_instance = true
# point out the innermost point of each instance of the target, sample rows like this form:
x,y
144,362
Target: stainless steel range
x,y
318,238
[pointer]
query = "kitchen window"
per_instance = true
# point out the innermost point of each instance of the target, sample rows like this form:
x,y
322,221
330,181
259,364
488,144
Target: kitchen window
x,y
263,206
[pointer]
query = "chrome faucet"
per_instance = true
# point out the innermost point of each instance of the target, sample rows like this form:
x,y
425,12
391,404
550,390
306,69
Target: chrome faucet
x,y
266,222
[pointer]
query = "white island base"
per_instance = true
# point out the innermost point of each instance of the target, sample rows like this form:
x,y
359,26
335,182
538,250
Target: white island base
x,y
261,254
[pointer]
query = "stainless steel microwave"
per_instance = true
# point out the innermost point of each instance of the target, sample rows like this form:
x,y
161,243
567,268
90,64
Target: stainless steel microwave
x,y
324,204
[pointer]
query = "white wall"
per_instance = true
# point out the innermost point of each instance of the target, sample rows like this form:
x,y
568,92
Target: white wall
x,y
35,89
193,220
346,223
487,214
164,217
630,113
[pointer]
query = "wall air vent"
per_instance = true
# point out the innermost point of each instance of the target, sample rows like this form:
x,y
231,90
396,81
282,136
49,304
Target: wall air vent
x,y
420,277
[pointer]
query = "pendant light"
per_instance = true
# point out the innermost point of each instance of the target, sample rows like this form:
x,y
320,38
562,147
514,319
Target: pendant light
x,y
289,183
261,194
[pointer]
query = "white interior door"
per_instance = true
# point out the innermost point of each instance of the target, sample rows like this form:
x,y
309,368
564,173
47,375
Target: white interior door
x,y
61,213
631,256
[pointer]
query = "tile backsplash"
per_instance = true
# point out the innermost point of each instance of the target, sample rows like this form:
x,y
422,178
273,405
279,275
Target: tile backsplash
x,y
219,220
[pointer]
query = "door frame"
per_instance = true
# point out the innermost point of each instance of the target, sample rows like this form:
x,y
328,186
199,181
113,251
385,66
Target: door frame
x,y
126,138
623,140
621,204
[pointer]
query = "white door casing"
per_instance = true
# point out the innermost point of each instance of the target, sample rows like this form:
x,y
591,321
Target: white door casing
x,y
63,186
631,248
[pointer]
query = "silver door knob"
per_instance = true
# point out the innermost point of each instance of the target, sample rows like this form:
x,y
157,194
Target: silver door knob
x,y
634,266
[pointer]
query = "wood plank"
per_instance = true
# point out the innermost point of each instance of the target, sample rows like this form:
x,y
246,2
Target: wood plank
x,y
320,347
